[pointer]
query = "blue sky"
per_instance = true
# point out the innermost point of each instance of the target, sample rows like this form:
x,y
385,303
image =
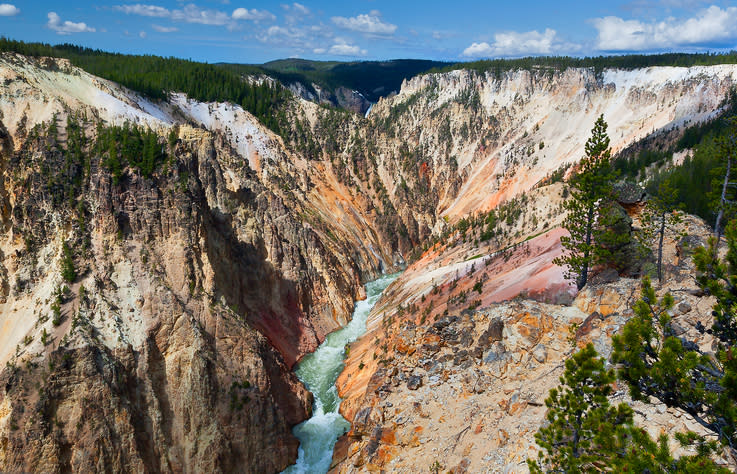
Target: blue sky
x,y
258,31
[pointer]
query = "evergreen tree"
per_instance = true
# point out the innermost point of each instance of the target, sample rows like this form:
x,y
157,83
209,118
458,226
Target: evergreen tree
x,y
590,187
67,264
719,279
586,434
581,434
727,153
660,214
656,363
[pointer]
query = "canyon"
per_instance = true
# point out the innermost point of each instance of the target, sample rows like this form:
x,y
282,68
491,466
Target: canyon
x,y
199,288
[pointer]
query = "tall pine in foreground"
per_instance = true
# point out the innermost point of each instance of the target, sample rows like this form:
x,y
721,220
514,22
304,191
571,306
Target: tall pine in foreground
x,y
590,187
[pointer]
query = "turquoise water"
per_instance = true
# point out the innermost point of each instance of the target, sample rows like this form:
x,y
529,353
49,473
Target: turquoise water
x,y
319,371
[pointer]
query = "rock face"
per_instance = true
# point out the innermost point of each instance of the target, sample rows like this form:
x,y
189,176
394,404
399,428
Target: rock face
x,y
465,392
196,287
161,363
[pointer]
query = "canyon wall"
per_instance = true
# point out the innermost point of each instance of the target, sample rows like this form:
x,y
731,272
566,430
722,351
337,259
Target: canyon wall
x,y
199,286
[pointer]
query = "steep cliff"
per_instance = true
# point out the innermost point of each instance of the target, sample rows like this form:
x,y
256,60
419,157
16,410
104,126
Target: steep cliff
x,y
151,310
196,288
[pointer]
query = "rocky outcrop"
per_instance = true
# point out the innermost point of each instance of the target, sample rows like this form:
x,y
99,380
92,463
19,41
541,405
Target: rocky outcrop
x,y
465,392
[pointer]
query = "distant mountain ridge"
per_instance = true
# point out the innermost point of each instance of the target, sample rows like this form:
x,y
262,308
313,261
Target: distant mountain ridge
x,y
349,85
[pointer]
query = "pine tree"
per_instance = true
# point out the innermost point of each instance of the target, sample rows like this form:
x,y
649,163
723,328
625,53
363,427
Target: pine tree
x,y
727,152
67,264
580,435
661,213
590,187
654,362
585,433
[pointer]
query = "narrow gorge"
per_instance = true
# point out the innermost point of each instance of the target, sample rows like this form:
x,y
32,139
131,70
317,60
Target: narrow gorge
x,y
165,265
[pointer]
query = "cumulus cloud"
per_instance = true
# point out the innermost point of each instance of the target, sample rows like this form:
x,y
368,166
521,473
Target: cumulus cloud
x,y
190,13
253,15
143,10
193,14
513,43
7,9
283,36
66,27
709,26
369,24
344,49
300,38
164,29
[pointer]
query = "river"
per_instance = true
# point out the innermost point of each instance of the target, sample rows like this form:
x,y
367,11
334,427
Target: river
x,y
319,371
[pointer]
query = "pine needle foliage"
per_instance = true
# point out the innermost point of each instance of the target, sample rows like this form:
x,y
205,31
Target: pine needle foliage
x,y
654,362
585,433
580,434
591,186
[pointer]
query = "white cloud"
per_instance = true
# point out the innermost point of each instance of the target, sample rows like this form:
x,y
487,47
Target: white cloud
x,y
319,50
280,35
193,14
190,13
164,29
709,25
345,49
295,13
253,14
302,38
441,35
66,27
370,24
7,9
143,10
298,8
478,50
142,34
519,44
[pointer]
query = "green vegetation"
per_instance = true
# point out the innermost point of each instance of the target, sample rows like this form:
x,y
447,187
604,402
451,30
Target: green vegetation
x,y
156,77
68,271
372,79
586,434
129,145
582,424
591,185
698,181
599,63
656,363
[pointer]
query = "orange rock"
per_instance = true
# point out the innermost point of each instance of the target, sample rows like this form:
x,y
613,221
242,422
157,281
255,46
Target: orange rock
x,y
516,407
384,454
388,436
405,348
